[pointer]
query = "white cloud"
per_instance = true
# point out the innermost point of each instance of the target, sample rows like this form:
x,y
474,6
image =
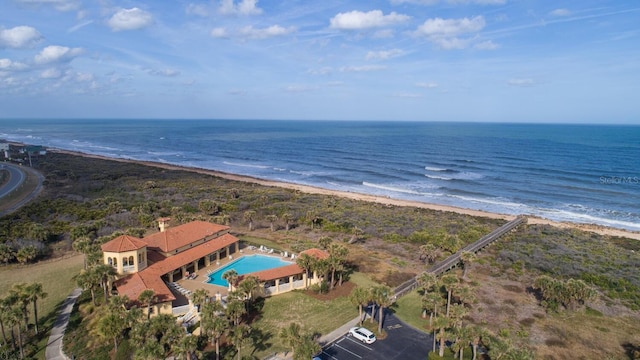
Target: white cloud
x,y
363,68
445,32
219,32
56,54
486,45
8,65
450,27
197,9
321,71
51,73
19,37
163,72
384,54
521,82
130,19
79,26
407,95
455,2
560,12
244,7
427,85
60,5
355,20
383,34
250,32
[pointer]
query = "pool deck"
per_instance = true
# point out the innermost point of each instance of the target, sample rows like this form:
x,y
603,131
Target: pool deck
x,y
200,282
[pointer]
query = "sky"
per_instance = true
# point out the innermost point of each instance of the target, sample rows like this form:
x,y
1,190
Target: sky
x,y
416,60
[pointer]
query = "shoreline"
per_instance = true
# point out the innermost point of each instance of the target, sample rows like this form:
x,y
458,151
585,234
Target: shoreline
x,y
598,229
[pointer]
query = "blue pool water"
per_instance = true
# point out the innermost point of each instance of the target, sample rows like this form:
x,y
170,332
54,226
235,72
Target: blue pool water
x,y
246,265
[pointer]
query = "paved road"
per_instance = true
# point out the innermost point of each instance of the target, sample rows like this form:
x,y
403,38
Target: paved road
x,y
54,345
21,173
16,178
403,342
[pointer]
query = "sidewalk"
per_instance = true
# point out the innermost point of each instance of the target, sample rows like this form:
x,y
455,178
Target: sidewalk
x,y
54,345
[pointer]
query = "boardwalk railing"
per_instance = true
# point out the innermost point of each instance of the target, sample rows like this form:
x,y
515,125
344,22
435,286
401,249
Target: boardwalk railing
x,y
454,259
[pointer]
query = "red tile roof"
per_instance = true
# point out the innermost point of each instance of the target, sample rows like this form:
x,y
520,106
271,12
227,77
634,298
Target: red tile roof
x,y
175,237
123,243
316,253
277,273
150,277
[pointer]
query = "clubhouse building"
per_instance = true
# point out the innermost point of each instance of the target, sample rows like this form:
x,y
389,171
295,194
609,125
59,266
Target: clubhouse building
x,y
173,254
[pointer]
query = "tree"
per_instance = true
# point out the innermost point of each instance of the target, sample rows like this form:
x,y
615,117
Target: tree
x,y
307,347
88,280
35,292
441,323
5,307
105,273
146,298
82,245
467,258
359,297
449,282
208,207
337,256
248,286
13,319
248,217
291,335
286,217
324,242
156,337
7,254
20,299
305,262
272,221
238,336
37,232
356,234
235,310
384,297
199,298
232,278
214,326
110,326
429,252
26,254
187,345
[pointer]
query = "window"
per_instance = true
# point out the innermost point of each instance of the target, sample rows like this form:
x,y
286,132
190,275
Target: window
x,y
124,261
131,260
115,262
139,258
110,261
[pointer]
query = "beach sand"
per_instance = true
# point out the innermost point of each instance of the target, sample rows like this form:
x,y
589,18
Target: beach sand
x,y
602,230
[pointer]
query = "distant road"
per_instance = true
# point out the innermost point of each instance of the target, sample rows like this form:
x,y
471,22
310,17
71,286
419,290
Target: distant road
x,y
18,175
16,178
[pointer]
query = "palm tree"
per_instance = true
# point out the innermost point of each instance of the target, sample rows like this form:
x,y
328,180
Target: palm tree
x,y
13,319
34,292
87,280
6,253
467,258
441,323
324,242
248,286
238,336
449,282
20,298
5,306
272,220
26,254
82,245
248,217
305,262
291,335
384,298
199,297
232,278
235,310
337,255
429,252
286,217
356,233
187,345
110,326
306,348
105,273
213,325
147,297
360,297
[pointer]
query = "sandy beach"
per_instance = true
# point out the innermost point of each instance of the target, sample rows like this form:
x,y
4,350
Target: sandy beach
x,y
602,230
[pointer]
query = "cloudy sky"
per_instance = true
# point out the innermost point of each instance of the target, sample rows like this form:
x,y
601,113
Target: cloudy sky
x,y
432,60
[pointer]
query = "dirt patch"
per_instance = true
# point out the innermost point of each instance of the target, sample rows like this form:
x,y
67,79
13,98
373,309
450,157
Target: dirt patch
x,y
338,291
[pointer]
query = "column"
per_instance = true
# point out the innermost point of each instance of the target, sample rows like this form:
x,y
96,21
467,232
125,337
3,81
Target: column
x,y
277,286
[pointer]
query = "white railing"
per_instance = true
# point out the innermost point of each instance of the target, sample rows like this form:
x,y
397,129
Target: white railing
x,y
180,310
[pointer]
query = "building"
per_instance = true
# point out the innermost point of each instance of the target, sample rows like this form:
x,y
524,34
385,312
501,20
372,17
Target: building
x,y
171,254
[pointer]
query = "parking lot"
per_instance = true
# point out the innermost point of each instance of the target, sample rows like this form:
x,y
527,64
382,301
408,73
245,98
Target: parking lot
x,y
402,343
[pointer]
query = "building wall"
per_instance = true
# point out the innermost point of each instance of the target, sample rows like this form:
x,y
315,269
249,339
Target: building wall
x,y
139,260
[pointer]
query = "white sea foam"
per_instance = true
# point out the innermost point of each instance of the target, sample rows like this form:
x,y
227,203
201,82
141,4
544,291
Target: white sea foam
x,y
435,177
432,168
255,166
398,189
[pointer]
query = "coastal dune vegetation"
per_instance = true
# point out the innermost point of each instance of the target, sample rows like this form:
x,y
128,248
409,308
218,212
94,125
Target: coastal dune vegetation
x,y
87,201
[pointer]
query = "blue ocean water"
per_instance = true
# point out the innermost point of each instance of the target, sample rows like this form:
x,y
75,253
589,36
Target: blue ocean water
x,y
578,173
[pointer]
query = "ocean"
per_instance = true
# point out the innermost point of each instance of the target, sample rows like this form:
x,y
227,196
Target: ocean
x,y
577,173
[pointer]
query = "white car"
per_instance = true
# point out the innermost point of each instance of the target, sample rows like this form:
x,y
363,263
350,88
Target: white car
x,y
362,334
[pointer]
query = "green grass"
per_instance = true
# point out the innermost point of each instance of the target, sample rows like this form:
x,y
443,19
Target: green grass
x,y
362,280
56,278
314,315
408,308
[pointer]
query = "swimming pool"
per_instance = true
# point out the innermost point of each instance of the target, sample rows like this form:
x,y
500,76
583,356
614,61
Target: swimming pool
x,y
246,265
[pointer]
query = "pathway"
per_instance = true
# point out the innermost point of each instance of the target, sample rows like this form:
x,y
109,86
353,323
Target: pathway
x,y
54,345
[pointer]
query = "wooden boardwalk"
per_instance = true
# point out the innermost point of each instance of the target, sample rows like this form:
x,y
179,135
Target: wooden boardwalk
x,y
454,259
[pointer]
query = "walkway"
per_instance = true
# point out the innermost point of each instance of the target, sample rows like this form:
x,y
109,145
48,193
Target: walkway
x,y
54,345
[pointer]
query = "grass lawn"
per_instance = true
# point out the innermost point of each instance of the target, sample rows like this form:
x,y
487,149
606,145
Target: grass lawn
x,y
56,278
408,308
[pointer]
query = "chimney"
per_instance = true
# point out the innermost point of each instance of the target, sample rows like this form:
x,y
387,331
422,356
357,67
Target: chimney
x,y
163,223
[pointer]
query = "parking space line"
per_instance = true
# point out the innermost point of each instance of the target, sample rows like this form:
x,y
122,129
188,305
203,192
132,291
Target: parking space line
x,y
350,352
359,343
329,355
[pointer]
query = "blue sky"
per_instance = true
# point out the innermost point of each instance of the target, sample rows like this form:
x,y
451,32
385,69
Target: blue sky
x,y
432,60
